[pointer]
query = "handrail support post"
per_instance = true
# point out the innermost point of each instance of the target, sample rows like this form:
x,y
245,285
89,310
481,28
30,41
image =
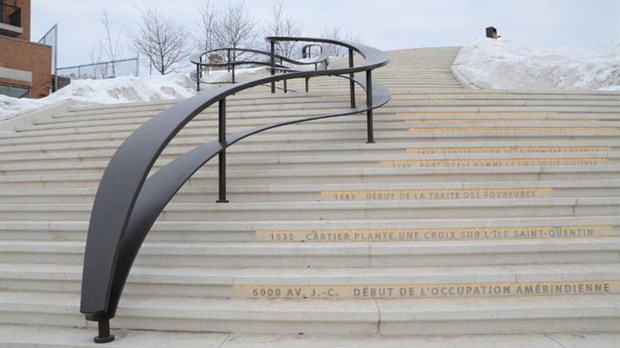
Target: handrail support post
x,y
369,121
273,64
351,77
228,61
198,77
222,155
104,336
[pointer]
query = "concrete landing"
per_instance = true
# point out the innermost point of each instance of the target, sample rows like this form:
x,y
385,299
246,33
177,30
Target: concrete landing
x,y
45,337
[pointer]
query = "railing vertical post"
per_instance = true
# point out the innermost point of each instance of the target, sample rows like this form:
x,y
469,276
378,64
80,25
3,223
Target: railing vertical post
x,y
351,77
369,122
273,64
198,77
233,73
228,61
104,332
222,155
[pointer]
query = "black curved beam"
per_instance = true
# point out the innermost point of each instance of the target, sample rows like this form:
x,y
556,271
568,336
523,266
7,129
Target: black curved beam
x,y
196,59
161,187
125,207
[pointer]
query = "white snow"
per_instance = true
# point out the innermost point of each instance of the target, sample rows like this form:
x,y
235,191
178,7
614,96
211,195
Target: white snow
x,y
119,90
111,91
503,64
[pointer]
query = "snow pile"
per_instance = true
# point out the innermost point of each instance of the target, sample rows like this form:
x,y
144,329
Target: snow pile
x,y
122,90
502,64
110,91
223,76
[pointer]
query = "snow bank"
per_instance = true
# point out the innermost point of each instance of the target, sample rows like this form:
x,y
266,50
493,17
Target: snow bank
x,y
502,64
120,90
111,91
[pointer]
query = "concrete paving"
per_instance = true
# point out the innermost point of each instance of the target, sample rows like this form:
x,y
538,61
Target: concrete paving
x,y
39,337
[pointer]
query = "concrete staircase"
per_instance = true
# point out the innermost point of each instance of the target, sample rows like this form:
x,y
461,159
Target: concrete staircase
x,y
475,212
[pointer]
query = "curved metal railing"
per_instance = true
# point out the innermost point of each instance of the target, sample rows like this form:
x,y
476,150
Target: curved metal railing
x,y
127,203
229,58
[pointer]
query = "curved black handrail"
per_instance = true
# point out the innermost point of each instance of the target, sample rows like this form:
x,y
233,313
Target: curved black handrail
x,y
197,58
271,59
127,204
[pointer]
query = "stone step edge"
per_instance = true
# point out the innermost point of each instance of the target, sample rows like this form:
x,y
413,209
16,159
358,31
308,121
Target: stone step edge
x,y
391,122
318,129
361,173
465,223
599,313
264,282
24,336
357,188
399,161
345,249
343,205
104,148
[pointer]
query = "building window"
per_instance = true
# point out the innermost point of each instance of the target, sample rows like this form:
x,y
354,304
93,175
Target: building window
x,y
10,14
15,92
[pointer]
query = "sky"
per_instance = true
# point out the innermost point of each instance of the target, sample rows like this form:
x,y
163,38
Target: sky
x,y
385,24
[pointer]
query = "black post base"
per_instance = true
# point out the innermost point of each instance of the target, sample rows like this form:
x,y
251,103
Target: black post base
x,y
104,332
222,201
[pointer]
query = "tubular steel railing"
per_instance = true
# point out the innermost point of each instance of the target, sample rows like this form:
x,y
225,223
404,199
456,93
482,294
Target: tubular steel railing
x,y
127,203
228,58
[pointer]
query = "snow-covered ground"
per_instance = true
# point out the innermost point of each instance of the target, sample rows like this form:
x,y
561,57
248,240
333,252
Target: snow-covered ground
x,y
115,91
503,64
486,63
111,91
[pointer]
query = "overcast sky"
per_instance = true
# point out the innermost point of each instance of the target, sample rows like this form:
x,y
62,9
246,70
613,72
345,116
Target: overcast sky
x,y
386,24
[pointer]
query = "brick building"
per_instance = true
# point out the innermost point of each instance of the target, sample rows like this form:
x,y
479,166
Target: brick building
x,y
25,67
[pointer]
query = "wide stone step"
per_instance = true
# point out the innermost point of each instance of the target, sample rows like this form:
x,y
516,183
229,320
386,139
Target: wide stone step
x,y
356,135
334,249
209,128
337,231
21,336
346,192
594,313
261,211
401,159
105,149
405,172
234,118
259,116
333,283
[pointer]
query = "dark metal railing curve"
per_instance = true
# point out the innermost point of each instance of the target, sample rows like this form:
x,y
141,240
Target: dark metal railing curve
x,y
127,204
271,59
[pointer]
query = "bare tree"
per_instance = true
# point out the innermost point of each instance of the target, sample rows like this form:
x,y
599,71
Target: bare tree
x,y
95,57
162,41
235,28
110,43
335,34
206,37
282,26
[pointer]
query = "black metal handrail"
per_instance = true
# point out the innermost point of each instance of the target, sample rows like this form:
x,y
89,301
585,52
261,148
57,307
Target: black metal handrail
x,y
10,14
228,60
127,204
